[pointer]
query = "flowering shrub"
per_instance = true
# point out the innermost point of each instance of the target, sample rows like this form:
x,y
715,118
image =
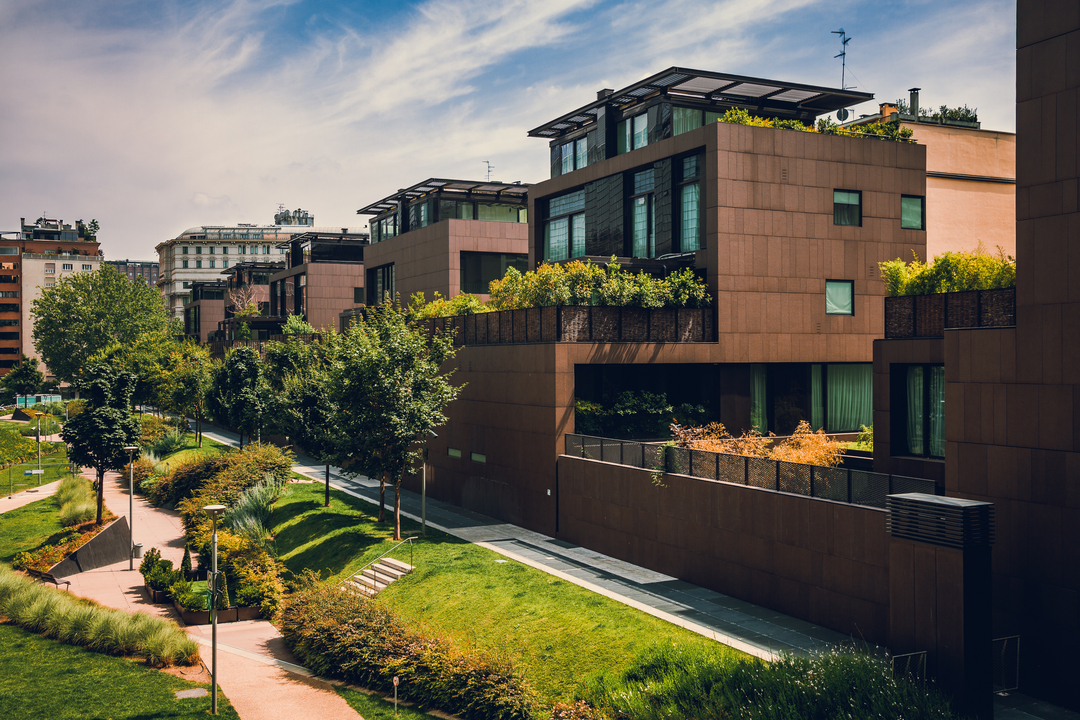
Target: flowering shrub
x,y
338,633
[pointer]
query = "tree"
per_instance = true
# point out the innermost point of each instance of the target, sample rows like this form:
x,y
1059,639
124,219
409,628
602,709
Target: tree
x,y
99,434
86,312
306,412
145,358
187,377
388,393
239,394
25,378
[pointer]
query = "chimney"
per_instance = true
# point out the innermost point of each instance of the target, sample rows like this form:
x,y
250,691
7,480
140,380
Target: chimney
x,y
605,93
913,101
886,109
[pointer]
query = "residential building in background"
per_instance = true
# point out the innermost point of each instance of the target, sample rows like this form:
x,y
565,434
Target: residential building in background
x,y
205,310
445,236
31,259
323,276
145,270
970,181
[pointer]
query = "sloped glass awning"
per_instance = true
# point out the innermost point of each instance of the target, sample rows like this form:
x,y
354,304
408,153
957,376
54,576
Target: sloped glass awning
x,y
721,91
461,189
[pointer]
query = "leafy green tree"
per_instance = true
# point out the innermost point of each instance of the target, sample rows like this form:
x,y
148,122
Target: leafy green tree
x,y
306,411
296,325
25,378
239,394
188,374
388,393
146,358
101,431
85,313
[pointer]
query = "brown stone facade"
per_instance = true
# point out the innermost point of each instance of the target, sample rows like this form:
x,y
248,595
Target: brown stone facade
x,y
428,259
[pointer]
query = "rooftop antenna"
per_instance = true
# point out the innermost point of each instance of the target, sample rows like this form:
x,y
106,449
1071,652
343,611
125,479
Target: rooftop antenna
x,y
842,113
490,167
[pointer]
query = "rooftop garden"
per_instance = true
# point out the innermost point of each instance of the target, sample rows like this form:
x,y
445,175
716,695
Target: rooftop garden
x,y
825,126
575,283
950,272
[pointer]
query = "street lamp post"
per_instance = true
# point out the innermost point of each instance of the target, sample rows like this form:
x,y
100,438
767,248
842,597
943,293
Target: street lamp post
x,y
131,505
213,511
423,488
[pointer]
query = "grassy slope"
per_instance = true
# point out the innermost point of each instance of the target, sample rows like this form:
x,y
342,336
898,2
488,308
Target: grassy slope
x,y
55,467
28,527
555,631
41,678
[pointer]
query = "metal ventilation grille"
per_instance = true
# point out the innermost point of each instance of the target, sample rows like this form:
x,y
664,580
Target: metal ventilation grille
x,y
944,521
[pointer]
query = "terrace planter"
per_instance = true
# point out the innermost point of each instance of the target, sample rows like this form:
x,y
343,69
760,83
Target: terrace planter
x,y
930,315
494,336
962,309
690,325
157,597
664,325
470,330
605,324
459,330
900,317
194,617
244,612
519,324
997,308
549,323
575,323
532,324
635,324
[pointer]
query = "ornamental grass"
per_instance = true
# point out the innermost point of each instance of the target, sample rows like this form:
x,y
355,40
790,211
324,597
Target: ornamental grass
x,y
61,616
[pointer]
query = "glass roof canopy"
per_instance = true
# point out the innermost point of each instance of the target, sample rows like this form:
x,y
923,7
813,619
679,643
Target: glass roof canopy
x,y
463,189
720,90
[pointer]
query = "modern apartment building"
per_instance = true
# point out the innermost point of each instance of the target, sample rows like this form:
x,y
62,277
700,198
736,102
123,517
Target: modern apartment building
x,y
323,276
33,258
145,270
445,236
205,310
970,181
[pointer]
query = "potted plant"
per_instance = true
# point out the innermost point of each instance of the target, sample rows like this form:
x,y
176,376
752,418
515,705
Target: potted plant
x,y
190,604
248,602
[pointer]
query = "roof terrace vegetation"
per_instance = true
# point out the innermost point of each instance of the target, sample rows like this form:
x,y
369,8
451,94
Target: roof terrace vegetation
x,y
951,272
575,283
825,126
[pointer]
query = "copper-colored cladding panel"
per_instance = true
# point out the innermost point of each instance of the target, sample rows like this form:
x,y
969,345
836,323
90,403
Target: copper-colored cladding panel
x,y
329,290
427,260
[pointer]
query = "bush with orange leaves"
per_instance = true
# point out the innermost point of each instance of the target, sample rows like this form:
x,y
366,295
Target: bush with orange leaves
x,y
802,446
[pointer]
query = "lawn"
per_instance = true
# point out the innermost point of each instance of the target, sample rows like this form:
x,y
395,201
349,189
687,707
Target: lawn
x,y
14,479
28,527
373,707
555,632
192,450
41,678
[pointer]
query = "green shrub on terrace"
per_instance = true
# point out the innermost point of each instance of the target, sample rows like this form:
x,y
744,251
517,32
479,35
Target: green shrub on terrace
x,y
463,304
950,272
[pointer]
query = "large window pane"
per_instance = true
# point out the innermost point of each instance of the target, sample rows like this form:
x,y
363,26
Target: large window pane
x,y
577,244
839,297
915,410
556,235
566,204
851,399
911,212
758,386
685,120
478,269
936,398
581,152
567,158
497,212
689,228
641,130
622,137
817,404
847,207
640,227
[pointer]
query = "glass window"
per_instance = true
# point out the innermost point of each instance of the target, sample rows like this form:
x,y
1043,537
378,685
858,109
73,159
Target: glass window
x,y
87,267
184,264
642,215
380,281
184,250
641,130
498,212
224,263
566,204
212,263
567,158
67,266
839,297
689,210
847,207
478,269
556,235
453,452
850,396
921,410
198,251
478,457
685,120
581,153
198,263
564,233
623,142
577,235
912,212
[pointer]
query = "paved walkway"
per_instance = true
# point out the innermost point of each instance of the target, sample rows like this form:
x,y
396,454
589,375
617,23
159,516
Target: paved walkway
x,y
27,496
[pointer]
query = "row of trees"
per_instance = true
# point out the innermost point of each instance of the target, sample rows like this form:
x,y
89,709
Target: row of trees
x,y
363,399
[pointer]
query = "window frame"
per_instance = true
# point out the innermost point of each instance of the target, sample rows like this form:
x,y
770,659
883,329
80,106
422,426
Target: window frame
x,y
571,217
899,411
851,286
922,212
649,198
836,205
685,182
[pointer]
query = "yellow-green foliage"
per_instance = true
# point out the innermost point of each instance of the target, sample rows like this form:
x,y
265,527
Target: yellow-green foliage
x,y
950,272
586,283
463,304
76,501
14,448
151,429
825,126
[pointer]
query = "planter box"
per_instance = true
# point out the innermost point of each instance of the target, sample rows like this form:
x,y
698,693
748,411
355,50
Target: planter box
x,y
519,324
962,309
549,323
575,323
202,617
664,324
997,308
157,597
691,325
635,324
605,324
247,613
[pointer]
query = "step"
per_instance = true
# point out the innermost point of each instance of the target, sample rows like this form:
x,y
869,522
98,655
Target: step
x,y
385,571
357,587
405,568
369,582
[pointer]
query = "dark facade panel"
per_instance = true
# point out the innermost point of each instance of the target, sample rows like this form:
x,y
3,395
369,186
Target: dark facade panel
x,y
604,217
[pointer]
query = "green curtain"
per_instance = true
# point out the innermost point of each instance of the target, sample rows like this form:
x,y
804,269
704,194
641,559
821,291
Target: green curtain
x,y
685,120
712,116
817,407
915,410
839,297
937,411
758,384
850,396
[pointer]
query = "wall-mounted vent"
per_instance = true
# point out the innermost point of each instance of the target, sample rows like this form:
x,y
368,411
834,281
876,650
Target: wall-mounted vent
x,y
872,272
783,174
949,522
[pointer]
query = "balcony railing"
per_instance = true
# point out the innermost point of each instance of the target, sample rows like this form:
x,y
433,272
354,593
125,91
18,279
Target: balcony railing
x,y
928,316
581,323
857,487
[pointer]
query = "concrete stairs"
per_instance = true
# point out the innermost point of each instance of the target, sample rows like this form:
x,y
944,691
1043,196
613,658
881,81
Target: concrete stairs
x,y
375,577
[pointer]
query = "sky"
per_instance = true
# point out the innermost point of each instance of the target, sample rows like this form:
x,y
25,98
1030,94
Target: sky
x,y
155,116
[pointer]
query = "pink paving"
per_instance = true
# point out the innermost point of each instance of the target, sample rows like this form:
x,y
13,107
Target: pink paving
x,y
249,672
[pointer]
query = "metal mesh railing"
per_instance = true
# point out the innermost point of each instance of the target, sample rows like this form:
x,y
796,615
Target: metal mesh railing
x,y
858,487
1006,663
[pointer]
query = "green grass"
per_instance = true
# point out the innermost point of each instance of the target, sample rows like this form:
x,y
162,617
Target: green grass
x,y
29,527
41,678
373,707
865,447
192,450
55,467
556,632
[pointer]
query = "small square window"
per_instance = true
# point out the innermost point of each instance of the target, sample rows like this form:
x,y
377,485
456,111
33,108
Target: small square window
x,y
67,266
847,207
224,263
453,452
477,457
839,297
87,267
212,250
225,250
913,212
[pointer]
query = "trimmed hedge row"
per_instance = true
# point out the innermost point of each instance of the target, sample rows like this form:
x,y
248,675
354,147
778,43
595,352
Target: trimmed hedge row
x,y
337,633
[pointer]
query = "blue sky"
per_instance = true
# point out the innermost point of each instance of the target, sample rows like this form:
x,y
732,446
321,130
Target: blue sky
x,y
157,116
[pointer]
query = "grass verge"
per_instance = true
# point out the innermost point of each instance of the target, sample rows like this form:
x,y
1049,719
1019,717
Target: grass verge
x,y
29,527
14,479
374,707
554,631
41,678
